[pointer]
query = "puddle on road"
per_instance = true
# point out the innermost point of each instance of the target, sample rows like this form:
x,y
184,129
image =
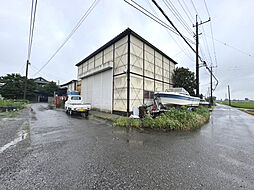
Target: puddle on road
x,y
21,136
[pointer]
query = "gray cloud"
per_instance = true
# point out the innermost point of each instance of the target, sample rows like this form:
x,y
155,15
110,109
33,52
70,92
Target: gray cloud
x,y
232,23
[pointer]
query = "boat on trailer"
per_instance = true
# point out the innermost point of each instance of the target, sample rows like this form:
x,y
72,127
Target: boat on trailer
x,y
177,97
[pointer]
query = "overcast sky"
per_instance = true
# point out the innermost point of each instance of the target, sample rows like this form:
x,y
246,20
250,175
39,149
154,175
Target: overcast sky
x,y
232,22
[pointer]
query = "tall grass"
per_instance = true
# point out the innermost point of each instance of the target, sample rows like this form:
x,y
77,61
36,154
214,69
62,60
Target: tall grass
x,y
175,119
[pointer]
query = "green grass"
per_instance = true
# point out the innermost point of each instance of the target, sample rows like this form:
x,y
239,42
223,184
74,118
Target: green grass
x,y
103,117
27,127
9,114
176,119
247,105
248,111
19,104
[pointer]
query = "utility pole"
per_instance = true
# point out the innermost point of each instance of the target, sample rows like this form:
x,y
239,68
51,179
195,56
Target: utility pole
x,y
211,98
229,101
197,55
25,88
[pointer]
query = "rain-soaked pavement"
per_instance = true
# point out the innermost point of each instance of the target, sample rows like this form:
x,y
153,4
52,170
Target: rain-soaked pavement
x,y
64,152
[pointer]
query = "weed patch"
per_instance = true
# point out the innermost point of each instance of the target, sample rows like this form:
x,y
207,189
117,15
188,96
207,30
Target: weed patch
x,y
175,119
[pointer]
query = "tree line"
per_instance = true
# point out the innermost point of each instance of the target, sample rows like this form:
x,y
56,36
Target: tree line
x,y
12,87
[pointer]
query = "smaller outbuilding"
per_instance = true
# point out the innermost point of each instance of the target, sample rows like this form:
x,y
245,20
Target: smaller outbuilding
x,y
41,82
71,86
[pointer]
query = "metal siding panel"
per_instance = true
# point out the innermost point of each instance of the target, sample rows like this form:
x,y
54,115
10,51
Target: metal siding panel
x,y
121,42
98,59
107,87
136,55
148,84
120,93
136,91
171,71
166,87
120,64
158,86
136,41
90,64
108,54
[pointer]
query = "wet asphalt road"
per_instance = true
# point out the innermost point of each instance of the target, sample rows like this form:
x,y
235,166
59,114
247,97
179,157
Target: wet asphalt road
x,y
66,152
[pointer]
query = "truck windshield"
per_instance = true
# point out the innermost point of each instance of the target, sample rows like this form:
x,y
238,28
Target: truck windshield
x,y
75,98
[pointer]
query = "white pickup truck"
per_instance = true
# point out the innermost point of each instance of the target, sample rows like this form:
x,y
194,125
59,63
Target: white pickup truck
x,y
75,104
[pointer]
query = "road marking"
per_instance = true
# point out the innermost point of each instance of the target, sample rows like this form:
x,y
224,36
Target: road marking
x,y
21,136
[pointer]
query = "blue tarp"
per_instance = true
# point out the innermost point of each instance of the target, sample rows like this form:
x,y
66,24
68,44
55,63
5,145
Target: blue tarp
x,y
72,93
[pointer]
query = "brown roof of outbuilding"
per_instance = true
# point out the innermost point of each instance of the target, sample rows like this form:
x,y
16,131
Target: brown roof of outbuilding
x,y
68,83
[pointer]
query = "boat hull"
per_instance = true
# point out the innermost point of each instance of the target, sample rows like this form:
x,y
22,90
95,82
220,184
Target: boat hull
x,y
178,99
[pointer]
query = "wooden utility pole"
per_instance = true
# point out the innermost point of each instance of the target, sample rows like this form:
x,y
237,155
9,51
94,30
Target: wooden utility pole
x,y
197,55
229,101
211,98
25,88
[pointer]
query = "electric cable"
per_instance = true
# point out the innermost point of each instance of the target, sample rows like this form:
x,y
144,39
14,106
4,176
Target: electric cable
x,y
82,19
228,45
154,18
178,16
211,30
181,48
31,31
172,24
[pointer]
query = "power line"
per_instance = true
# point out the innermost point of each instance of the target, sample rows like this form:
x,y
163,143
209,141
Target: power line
x,y
206,44
207,9
195,8
181,48
187,8
209,69
47,73
82,19
204,39
151,16
185,11
228,45
177,15
30,41
159,21
154,18
172,24
31,31
211,30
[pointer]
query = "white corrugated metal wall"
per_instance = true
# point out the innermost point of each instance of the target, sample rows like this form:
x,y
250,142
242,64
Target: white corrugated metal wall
x,y
97,90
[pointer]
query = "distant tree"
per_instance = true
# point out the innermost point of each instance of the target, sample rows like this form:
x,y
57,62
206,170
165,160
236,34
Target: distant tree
x,y
209,98
48,89
183,77
13,86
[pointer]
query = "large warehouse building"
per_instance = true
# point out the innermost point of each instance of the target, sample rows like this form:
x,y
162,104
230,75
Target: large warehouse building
x,y
124,73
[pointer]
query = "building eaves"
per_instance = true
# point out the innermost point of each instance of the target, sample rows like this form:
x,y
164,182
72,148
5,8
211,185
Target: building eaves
x,y
68,83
